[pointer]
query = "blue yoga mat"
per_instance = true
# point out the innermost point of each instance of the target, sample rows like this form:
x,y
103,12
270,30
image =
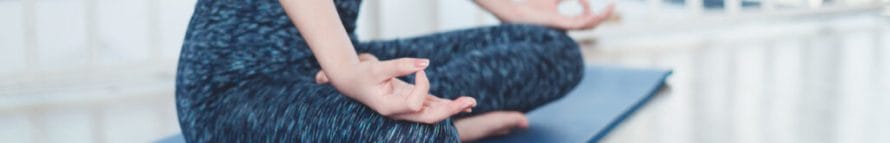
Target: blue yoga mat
x,y
603,99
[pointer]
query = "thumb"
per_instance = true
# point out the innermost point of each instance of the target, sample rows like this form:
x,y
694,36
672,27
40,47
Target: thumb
x,y
461,104
585,5
321,77
401,67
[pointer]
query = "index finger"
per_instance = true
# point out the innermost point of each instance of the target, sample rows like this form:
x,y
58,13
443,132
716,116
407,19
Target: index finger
x,y
400,67
599,18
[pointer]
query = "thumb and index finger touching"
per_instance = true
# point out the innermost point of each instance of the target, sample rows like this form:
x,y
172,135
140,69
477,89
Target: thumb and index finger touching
x,y
587,19
420,91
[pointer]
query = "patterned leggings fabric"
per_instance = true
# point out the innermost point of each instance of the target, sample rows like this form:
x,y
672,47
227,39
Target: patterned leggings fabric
x,y
258,85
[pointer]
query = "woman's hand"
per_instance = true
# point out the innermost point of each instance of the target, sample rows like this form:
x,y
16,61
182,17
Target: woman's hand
x,y
374,84
545,12
371,82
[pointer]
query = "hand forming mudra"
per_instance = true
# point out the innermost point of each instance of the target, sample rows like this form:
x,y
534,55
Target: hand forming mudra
x,y
397,99
377,85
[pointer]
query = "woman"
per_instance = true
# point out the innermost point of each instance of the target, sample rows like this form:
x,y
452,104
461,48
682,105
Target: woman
x,y
246,73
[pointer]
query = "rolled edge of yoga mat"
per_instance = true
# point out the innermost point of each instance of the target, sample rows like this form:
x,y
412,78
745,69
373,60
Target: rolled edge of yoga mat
x,y
606,97
658,87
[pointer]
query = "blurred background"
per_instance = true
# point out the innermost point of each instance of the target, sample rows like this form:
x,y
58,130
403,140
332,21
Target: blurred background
x,y
744,70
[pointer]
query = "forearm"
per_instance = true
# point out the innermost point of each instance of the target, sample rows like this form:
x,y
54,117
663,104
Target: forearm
x,y
502,9
320,26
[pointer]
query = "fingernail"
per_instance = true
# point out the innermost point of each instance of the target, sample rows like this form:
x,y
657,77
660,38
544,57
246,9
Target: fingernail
x,y
422,63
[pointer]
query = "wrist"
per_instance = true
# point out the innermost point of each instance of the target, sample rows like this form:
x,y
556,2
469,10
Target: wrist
x,y
342,73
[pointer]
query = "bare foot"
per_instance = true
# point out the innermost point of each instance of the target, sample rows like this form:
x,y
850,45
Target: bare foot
x,y
489,124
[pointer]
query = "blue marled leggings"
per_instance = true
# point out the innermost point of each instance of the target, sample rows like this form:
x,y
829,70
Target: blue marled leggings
x,y
240,79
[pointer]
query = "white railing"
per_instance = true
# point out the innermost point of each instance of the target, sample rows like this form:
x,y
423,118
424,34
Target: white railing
x,y
818,79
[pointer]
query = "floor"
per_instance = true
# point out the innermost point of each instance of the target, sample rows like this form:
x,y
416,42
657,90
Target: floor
x,y
809,80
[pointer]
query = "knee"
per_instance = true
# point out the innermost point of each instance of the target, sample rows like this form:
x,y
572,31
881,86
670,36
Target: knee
x,y
560,54
564,53
571,69
541,34
563,50
552,41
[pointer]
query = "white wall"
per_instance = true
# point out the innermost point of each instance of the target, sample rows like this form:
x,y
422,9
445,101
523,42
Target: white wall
x,y
390,19
89,70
